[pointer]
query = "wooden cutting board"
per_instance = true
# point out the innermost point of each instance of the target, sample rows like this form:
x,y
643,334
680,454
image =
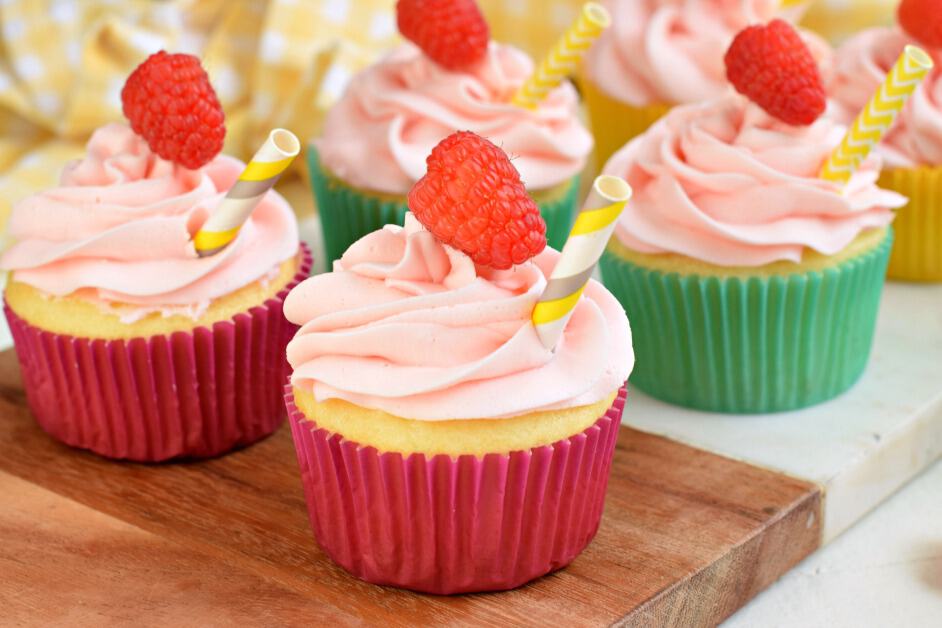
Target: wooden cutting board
x,y
687,538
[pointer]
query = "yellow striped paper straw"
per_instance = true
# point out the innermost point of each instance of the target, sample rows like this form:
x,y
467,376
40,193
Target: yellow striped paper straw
x,y
563,59
271,160
586,243
878,116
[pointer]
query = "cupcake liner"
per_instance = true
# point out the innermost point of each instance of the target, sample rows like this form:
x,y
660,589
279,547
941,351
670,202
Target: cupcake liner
x,y
559,215
190,394
750,345
454,525
917,252
347,214
534,36
615,123
836,20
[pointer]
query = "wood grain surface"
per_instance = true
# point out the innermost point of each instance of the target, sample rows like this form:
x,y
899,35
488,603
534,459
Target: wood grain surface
x,y
687,538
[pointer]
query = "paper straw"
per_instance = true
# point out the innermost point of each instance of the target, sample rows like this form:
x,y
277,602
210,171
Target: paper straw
x,y
878,116
563,59
271,160
586,243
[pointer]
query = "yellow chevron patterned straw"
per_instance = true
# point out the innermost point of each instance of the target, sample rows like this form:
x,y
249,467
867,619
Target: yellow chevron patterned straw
x,y
878,116
586,243
272,159
565,55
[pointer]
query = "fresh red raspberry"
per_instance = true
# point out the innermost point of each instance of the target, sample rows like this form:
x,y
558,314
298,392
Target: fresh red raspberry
x,y
773,67
472,199
923,20
170,103
453,33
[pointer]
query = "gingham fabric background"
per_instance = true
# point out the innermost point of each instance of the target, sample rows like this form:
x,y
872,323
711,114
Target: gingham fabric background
x,y
273,63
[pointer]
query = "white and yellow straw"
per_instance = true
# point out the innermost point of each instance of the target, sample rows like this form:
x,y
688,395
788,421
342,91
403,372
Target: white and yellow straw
x,y
563,59
876,119
587,240
271,160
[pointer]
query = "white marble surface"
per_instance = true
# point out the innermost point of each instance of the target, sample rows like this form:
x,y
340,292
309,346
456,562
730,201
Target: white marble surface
x,y
860,447
885,571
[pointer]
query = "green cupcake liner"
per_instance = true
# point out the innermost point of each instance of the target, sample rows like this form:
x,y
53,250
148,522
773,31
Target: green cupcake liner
x,y
750,344
348,214
559,215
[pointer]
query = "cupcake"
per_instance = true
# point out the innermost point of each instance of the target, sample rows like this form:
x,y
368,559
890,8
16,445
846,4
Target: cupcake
x,y
442,447
752,284
911,151
377,136
662,53
130,344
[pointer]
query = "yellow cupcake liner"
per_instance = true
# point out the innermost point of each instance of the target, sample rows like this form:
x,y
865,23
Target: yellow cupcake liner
x,y
516,22
838,20
615,123
917,254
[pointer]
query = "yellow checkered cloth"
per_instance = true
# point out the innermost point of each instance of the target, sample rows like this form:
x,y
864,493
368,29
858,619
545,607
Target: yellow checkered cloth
x,y
272,62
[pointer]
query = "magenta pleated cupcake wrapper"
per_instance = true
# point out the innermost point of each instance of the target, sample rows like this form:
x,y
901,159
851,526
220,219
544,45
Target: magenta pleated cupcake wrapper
x,y
454,525
187,395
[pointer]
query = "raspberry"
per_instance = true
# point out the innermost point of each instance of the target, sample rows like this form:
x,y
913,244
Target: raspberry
x,y
170,103
773,67
452,33
472,199
922,19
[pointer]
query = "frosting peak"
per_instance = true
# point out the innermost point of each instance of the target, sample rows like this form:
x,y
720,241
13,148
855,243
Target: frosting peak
x,y
727,184
118,228
411,326
394,112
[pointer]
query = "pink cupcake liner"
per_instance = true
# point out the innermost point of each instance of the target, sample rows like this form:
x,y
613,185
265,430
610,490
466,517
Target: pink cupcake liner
x,y
190,394
454,525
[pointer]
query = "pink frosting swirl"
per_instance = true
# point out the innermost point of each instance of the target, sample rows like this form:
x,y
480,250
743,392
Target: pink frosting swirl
x,y
392,114
861,66
726,183
671,51
411,326
118,227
